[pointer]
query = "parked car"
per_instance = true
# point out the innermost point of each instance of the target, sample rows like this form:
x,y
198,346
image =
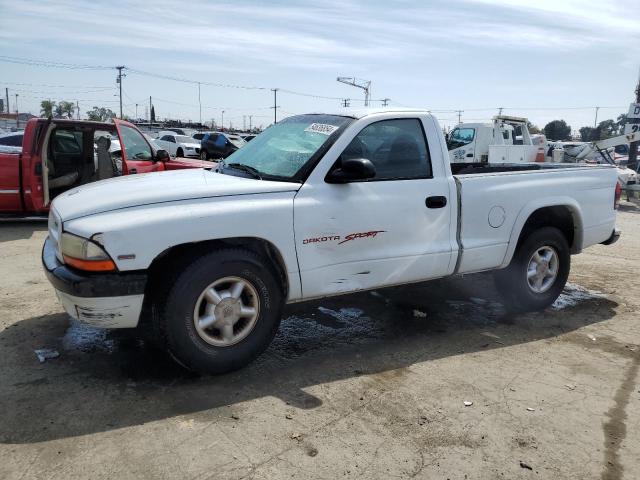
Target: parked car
x,y
216,145
181,131
317,205
179,145
12,139
58,155
199,135
248,137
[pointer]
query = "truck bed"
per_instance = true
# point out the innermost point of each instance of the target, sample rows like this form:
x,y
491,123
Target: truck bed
x,y
496,200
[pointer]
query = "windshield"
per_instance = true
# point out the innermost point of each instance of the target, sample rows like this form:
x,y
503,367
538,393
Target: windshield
x,y
184,139
284,148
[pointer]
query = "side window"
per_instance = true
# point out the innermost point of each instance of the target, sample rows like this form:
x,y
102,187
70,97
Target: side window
x,y
459,137
172,139
166,138
397,148
135,145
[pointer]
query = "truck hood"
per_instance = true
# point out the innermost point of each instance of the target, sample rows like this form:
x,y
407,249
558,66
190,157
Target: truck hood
x,y
160,187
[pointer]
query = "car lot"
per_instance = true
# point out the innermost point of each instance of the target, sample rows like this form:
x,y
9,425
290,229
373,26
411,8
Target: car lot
x,y
371,385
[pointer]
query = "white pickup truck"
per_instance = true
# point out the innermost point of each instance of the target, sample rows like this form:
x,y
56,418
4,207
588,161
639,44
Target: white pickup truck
x,y
317,205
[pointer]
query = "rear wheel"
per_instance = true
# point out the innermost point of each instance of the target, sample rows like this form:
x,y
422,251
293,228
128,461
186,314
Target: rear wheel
x,y
222,311
537,273
179,153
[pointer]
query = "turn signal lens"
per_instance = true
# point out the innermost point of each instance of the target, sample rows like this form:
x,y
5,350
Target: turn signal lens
x,y
90,265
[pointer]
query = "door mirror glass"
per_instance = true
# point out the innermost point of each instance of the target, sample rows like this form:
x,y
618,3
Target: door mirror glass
x,y
352,169
162,156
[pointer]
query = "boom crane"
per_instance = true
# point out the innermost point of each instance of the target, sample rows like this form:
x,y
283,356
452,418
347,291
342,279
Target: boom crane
x,y
359,83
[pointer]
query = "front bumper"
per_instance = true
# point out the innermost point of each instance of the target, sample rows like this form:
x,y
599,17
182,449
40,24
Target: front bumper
x,y
615,235
108,300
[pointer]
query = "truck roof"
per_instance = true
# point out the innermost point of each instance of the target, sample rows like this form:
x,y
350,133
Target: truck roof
x,y
363,112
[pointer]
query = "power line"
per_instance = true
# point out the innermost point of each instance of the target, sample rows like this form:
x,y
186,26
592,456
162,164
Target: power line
x,y
47,63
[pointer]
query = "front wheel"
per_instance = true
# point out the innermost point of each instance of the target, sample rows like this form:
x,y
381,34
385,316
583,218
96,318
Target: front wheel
x,y
203,155
179,153
222,311
537,273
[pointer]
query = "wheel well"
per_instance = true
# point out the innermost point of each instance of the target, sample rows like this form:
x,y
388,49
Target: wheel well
x,y
168,260
560,217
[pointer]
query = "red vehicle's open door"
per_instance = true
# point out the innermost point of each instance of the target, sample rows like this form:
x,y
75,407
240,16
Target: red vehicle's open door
x,y
137,153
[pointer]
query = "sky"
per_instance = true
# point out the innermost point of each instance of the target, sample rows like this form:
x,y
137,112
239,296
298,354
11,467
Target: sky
x,y
542,59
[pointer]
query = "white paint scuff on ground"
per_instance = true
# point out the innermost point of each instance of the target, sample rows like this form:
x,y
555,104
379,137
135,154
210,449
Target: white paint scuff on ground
x,y
574,294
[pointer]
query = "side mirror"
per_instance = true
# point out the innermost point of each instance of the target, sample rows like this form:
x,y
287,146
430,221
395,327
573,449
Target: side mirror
x,y
162,155
351,170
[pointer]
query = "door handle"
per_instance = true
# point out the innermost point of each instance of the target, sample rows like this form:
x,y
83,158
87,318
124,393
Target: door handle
x,y
469,154
436,202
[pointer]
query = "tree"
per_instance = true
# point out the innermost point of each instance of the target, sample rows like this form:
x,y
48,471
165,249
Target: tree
x,y
46,108
100,114
587,134
557,130
533,128
65,108
607,129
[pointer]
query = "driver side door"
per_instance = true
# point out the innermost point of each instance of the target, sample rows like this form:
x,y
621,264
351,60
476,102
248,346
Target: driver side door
x,y
137,154
391,229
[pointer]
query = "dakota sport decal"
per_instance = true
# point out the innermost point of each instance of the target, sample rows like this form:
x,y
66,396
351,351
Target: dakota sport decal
x,y
340,240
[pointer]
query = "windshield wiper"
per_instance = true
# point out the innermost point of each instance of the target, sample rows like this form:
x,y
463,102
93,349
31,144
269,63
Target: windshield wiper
x,y
255,173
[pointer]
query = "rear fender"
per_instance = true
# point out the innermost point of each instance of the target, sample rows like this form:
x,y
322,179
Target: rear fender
x,y
526,212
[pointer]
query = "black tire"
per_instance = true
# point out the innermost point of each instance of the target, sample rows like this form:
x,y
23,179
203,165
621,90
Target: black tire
x,y
176,314
204,155
179,153
513,283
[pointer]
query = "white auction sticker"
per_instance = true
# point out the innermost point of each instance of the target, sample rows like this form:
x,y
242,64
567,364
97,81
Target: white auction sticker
x,y
322,128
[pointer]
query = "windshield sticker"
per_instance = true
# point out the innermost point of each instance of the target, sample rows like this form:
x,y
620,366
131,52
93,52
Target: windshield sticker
x,y
323,128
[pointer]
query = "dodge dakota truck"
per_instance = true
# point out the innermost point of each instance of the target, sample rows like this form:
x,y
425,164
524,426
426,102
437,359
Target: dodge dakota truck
x,y
58,155
317,205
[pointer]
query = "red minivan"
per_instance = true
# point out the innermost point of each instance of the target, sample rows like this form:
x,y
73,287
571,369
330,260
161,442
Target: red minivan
x,y
59,154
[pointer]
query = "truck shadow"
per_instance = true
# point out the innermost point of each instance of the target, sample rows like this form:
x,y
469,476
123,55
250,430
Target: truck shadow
x,y
20,230
106,380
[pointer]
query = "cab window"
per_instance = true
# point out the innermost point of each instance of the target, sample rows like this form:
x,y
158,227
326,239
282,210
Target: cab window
x,y
459,137
397,148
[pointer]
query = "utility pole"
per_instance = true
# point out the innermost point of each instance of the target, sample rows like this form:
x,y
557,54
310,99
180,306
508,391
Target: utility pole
x,y
633,146
17,113
250,117
78,110
136,111
459,115
595,123
500,110
222,122
199,103
345,102
150,106
275,105
119,82
244,123
6,90
385,102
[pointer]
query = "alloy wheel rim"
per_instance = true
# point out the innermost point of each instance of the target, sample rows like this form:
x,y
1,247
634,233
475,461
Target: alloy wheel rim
x,y
226,311
542,269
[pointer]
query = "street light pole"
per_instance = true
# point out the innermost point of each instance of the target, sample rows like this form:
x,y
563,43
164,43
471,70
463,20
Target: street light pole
x,y
199,103
17,113
222,122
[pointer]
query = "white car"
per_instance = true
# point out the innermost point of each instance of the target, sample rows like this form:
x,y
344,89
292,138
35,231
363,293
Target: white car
x,y
179,145
317,205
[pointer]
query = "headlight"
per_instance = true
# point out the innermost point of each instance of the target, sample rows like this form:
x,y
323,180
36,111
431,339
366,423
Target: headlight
x,y
85,254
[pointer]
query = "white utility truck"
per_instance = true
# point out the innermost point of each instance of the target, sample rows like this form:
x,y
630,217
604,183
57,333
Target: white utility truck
x,y
505,140
317,205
